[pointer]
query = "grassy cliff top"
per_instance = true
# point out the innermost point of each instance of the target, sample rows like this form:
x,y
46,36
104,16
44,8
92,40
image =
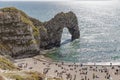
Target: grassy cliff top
x,y
13,9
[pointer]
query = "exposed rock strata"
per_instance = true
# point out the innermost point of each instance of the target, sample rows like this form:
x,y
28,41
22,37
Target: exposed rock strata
x,y
17,33
21,34
55,28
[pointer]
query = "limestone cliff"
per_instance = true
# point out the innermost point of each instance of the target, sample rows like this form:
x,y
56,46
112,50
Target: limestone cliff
x,y
23,35
17,33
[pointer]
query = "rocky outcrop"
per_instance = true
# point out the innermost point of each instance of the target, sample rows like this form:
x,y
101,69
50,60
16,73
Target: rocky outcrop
x,y
22,35
51,31
17,33
55,28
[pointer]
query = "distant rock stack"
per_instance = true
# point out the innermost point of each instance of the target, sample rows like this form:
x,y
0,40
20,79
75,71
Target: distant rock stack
x,y
21,35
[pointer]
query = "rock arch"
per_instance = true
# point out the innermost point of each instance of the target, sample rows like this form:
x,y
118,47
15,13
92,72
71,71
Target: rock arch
x,y
55,28
21,34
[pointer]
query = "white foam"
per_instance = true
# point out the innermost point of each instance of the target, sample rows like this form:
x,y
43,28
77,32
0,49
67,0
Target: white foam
x,y
102,63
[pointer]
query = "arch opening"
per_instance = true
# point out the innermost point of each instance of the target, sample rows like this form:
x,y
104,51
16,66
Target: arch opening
x,y
66,36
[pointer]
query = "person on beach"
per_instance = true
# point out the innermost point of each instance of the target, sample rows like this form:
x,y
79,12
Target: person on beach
x,y
74,77
110,64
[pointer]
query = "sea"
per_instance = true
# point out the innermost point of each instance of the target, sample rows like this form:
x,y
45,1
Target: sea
x,y
99,25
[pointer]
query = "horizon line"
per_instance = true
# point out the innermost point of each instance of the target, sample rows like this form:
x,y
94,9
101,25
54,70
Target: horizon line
x,y
51,0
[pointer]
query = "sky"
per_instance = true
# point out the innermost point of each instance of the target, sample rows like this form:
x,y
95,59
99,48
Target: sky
x,y
52,0
35,0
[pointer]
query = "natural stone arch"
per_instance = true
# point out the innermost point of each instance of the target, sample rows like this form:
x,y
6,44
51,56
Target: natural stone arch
x,y
21,34
55,28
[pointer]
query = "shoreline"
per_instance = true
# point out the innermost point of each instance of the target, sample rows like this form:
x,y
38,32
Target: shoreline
x,y
50,60
78,63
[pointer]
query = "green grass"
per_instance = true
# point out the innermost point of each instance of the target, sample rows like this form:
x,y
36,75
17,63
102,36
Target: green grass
x,y
24,75
17,77
6,64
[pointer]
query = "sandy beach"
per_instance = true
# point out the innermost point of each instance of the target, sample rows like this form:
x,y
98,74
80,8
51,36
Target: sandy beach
x,y
71,71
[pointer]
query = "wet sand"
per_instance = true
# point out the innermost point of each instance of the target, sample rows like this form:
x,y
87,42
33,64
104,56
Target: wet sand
x,y
71,71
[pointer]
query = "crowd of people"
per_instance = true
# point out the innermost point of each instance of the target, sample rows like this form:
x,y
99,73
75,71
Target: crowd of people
x,y
73,71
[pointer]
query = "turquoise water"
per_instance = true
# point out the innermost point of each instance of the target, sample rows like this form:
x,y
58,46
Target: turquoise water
x,y
99,23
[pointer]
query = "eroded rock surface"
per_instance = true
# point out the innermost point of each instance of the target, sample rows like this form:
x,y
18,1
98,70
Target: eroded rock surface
x,y
17,33
23,35
55,28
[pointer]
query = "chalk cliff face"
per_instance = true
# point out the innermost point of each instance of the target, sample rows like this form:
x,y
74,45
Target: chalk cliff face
x,y
23,35
17,33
